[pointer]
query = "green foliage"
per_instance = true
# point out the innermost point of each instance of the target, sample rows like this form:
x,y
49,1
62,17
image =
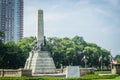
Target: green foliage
x,y
86,77
79,40
2,34
2,53
26,45
68,51
64,51
20,78
118,58
102,72
94,76
39,78
12,57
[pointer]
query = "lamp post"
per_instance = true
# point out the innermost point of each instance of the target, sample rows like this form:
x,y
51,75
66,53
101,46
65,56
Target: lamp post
x,y
110,61
110,56
101,64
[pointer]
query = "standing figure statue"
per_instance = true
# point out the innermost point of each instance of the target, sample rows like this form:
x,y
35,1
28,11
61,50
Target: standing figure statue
x,y
43,45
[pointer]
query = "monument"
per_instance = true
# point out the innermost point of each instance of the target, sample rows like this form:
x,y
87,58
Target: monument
x,y
39,59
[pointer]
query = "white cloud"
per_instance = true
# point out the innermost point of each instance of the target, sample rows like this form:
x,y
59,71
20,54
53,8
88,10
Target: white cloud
x,y
56,6
83,2
106,30
113,2
50,16
110,30
119,52
103,12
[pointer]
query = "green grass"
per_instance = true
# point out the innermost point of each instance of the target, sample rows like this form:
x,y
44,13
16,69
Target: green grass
x,y
94,76
86,77
117,78
19,78
39,78
103,72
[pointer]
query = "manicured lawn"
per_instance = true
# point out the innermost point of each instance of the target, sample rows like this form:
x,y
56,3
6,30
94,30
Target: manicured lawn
x,y
103,72
117,78
86,77
107,72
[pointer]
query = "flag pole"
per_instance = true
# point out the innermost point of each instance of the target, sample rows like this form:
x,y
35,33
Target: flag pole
x,y
100,60
85,63
101,65
110,60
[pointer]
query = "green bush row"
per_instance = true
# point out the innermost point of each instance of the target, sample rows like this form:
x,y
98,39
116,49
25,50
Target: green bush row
x,y
95,76
85,77
20,78
39,78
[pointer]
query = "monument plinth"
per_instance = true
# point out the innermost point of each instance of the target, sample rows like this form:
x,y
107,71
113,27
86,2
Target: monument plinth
x,y
39,59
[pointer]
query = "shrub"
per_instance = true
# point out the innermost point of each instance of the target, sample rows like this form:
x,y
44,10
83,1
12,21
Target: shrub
x,y
95,76
86,77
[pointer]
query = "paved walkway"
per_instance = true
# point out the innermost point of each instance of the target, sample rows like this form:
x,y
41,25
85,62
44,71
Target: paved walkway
x,y
53,75
104,74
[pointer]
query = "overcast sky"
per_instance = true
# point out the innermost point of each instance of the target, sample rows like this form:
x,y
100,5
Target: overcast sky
x,y
97,21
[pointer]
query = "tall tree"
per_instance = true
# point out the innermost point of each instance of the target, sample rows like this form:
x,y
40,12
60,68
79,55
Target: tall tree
x,y
26,44
2,49
2,34
118,58
12,57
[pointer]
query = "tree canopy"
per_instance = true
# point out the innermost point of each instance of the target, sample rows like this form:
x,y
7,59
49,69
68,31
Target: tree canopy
x,y
68,51
65,51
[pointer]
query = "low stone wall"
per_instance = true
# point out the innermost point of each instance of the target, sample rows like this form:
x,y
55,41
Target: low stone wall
x,y
84,71
116,69
15,72
28,72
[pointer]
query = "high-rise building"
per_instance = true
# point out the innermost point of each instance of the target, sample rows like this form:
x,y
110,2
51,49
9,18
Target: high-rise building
x,y
11,19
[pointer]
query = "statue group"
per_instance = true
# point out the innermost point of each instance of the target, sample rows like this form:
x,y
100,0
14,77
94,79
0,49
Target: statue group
x,y
41,47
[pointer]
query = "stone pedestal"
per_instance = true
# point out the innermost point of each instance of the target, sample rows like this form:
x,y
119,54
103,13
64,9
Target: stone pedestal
x,y
116,69
40,62
73,72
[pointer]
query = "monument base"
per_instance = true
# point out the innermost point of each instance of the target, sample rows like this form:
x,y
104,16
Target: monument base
x,y
73,72
40,62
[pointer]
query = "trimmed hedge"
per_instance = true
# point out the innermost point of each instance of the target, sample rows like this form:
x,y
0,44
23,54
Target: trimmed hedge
x,y
95,76
39,78
86,77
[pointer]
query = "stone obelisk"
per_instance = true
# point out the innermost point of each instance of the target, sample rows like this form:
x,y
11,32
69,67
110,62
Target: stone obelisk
x,y
39,59
40,28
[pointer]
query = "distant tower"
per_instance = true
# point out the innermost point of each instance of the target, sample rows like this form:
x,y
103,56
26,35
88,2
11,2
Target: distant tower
x,y
11,19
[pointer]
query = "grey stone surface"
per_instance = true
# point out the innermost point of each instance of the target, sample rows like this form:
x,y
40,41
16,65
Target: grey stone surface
x,y
115,69
40,62
73,72
39,59
15,72
40,28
